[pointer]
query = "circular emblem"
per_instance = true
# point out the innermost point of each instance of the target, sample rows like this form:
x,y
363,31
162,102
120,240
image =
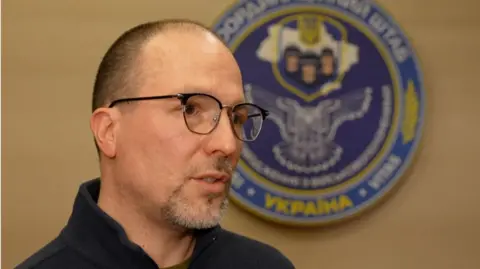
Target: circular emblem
x,y
346,101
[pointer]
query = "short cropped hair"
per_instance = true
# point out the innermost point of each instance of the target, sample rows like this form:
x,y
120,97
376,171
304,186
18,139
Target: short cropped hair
x,y
119,71
118,68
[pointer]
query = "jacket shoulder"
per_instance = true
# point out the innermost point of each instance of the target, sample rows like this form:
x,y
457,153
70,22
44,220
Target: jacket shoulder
x,y
55,254
257,254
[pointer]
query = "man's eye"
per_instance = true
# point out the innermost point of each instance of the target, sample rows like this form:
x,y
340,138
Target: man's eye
x,y
239,119
190,109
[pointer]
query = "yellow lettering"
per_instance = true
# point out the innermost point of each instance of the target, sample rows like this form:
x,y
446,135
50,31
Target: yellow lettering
x,y
297,207
308,208
320,207
345,202
331,206
282,206
270,201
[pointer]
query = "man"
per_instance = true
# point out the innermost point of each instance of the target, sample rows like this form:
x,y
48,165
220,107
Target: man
x,y
328,65
291,55
169,119
309,63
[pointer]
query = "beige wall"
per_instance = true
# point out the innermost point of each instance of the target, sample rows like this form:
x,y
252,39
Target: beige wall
x,y
51,50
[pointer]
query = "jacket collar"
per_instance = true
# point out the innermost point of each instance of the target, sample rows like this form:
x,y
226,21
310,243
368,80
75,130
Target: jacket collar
x,y
102,240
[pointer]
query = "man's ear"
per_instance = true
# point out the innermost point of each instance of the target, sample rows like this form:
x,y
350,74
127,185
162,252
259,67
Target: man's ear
x,y
102,124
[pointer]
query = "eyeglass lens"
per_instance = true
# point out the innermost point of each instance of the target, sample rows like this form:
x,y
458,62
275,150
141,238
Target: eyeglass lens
x,y
202,113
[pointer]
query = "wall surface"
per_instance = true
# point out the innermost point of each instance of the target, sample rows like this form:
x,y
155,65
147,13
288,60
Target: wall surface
x,y
51,50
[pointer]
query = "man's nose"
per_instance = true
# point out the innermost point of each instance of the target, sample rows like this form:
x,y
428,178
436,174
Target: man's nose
x,y
222,139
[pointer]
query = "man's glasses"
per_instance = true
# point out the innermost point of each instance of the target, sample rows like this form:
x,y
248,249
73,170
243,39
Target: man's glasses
x,y
202,113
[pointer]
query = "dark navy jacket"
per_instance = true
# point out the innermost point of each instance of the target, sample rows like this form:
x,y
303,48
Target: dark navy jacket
x,y
91,239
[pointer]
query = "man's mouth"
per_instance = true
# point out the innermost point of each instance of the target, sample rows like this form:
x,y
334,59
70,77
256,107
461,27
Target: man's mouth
x,y
210,180
216,187
213,177
213,182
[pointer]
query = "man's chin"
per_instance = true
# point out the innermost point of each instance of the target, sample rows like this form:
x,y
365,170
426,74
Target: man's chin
x,y
209,216
202,212
198,223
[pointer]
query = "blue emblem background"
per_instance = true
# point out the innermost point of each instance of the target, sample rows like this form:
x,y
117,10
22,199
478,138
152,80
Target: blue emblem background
x,y
371,71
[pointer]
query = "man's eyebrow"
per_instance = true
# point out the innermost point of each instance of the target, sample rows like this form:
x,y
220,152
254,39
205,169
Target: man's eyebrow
x,y
190,90
193,89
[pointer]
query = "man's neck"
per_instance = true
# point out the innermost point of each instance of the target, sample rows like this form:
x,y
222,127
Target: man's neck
x,y
165,244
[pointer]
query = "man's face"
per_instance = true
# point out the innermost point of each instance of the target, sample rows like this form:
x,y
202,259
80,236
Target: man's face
x,y
292,63
308,73
167,168
327,64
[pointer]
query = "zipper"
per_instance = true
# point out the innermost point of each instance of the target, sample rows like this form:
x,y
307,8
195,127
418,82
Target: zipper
x,y
199,252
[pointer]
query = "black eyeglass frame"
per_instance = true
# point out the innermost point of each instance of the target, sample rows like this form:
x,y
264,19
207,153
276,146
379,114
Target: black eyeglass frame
x,y
183,97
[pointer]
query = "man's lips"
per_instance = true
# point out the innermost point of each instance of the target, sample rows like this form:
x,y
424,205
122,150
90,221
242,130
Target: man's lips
x,y
213,177
213,182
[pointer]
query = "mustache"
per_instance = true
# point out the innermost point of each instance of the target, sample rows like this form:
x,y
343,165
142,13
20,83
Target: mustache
x,y
222,165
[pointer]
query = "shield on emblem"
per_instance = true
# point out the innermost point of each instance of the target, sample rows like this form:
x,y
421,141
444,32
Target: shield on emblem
x,y
309,49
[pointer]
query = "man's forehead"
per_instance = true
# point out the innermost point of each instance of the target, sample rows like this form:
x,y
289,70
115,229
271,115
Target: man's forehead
x,y
167,82
185,48
170,69
192,41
